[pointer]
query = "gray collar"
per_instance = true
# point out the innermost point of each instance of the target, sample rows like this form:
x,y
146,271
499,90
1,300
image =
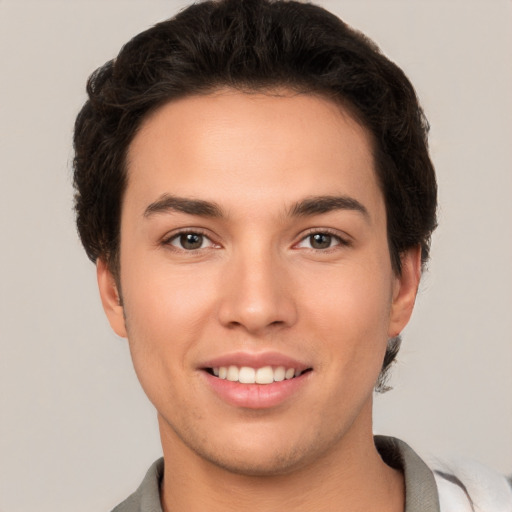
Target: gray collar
x,y
420,486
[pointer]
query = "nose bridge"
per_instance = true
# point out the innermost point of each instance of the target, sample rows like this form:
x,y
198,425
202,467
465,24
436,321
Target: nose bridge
x,y
257,292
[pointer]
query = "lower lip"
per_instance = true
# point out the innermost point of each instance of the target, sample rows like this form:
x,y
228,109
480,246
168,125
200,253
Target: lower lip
x,y
256,396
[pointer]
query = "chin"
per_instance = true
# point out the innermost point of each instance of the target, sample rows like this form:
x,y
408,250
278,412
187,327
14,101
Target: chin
x,y
258,464
261,452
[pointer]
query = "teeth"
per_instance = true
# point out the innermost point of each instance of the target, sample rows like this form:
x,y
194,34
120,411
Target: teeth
x,y
264,375
290,373
233,373
279,373
248,375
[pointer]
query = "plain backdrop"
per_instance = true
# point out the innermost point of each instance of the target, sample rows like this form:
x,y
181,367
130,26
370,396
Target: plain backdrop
x,y
76,432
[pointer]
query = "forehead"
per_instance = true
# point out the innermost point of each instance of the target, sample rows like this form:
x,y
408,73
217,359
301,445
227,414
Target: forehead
x,y
254,147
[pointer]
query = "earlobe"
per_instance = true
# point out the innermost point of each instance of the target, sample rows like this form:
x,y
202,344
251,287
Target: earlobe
x,y
110,298
404,293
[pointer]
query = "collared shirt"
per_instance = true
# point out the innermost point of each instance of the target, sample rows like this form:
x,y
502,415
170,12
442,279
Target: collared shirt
x,y
420,487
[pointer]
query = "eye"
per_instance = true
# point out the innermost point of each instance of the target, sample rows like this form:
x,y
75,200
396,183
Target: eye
x,y
320,241
190,241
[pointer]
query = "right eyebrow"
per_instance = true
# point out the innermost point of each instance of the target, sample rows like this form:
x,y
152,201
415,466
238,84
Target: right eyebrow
x,y
169,203
317,205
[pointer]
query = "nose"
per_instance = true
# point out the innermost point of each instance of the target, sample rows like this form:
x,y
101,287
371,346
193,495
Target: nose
x,y
258,294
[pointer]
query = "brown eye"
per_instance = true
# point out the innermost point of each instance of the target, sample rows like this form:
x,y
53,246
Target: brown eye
x,y
320,240
189,241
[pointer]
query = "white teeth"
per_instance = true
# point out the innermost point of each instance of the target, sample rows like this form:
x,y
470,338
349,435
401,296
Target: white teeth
x,y
290,373
233,373
279,373
265,375
248,375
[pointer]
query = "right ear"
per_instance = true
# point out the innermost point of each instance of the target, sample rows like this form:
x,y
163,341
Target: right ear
x,y
110,298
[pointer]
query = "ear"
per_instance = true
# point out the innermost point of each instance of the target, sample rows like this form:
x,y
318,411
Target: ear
x,y
405,290
110,298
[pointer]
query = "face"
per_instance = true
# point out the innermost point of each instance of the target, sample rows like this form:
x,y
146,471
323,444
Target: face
x,y
257,289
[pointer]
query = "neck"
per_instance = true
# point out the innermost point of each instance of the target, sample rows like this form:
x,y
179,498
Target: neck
x,y
351,476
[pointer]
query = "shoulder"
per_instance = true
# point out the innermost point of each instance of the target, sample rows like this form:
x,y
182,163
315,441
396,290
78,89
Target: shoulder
x,y
147,497
456,485
465,485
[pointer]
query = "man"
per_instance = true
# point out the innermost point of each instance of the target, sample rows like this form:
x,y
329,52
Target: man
x,y
254,186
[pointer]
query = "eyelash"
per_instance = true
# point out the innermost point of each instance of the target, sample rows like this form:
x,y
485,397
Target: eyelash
x,y
175,236
341,241
328,232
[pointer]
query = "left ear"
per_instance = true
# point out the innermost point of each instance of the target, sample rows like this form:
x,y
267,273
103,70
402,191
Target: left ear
x,y
405,290
110,298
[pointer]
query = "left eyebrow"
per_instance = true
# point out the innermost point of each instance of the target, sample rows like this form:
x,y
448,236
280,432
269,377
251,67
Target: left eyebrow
x,y
168,203
316,205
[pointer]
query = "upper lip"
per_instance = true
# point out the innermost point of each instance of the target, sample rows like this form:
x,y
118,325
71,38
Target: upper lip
x,y
255,360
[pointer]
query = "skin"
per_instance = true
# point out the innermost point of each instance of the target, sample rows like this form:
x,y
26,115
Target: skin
x,y
259,283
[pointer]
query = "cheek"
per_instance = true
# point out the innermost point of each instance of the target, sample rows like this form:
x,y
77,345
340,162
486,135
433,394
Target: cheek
x,y
162,333
350,310
167,312
358,296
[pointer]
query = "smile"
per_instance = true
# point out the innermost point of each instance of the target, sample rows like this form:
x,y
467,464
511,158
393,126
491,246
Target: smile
x,y
248,375
256,380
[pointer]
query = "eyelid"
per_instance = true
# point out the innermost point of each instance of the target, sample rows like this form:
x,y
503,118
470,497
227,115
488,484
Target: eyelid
x,y
169,237
343,239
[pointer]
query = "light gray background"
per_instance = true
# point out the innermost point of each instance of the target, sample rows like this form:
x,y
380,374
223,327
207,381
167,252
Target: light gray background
x,y
76,432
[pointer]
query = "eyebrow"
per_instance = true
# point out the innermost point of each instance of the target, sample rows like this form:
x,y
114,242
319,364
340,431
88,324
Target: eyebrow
x,y
310,206
199,207
317,205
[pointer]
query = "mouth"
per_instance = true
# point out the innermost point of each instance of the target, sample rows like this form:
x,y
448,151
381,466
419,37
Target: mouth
x,y
263,375
261,381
